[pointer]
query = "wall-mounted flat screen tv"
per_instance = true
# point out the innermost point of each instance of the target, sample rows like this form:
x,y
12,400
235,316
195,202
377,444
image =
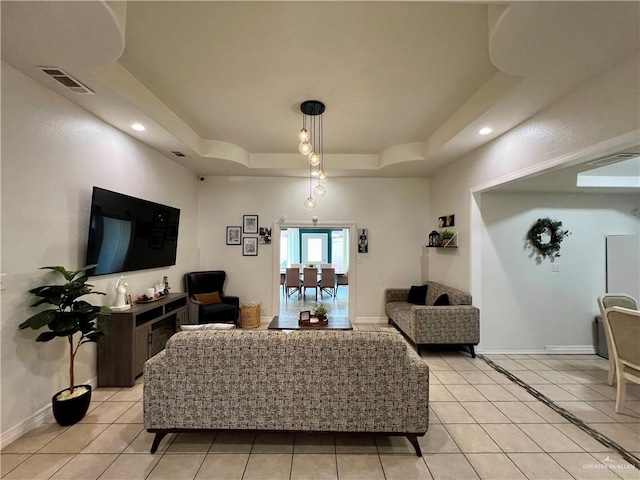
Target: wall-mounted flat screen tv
x,y
128,233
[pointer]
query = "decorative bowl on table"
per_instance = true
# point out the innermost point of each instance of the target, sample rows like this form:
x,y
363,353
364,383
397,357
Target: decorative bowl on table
x,y
314,321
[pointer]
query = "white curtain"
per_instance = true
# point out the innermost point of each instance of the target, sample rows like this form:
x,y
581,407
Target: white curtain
x,y
293,239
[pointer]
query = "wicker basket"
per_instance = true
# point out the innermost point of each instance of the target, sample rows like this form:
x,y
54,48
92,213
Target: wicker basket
x,y
250,316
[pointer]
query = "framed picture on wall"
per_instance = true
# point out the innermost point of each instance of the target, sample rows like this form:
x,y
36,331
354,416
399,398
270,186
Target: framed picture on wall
x,y
446,221
363,240
233,235
250,246
265,236
249,224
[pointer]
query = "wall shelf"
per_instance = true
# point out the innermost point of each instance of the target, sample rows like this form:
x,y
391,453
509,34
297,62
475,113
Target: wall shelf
x,y
448,243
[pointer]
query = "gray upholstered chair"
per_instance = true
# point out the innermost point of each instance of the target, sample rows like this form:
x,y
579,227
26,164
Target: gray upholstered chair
x,y
328,281
198,283
292,281
341,279
310,280
609,300
623,328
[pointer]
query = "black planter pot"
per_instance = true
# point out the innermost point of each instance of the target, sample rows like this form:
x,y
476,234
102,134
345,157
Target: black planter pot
x,y
70,412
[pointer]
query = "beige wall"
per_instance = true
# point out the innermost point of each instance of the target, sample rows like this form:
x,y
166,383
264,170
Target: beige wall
x,y
605,108
394,211
53,153
526,306
596,119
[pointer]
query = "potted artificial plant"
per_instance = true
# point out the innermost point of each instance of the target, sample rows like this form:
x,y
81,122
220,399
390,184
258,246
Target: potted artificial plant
x,y
447,238
320,312
67,317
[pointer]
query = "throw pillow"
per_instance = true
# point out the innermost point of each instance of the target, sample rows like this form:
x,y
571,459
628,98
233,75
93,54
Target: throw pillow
x,y
442,300
418,294
208,298
207,326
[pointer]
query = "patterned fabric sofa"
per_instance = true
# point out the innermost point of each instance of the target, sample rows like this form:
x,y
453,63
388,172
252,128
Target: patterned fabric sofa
x,y
457,323
312,381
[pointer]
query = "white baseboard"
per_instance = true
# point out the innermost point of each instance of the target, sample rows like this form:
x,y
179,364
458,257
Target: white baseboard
x,y
547,350
571,349
370,320
40,417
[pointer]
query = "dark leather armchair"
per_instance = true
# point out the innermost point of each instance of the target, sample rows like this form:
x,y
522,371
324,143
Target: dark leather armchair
x,y
207,282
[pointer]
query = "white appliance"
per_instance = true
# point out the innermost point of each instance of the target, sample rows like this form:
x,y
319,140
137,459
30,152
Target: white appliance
x,y
623,264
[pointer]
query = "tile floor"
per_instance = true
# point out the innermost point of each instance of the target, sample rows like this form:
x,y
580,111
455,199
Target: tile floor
x,y
482,426
338,306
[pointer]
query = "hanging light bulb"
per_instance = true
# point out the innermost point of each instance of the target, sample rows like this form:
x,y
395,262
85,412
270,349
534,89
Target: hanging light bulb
x,y
310,203
305,148
303,135
311,145
314,159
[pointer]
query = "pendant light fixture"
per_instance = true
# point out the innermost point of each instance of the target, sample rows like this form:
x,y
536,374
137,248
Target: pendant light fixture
x,y
311,145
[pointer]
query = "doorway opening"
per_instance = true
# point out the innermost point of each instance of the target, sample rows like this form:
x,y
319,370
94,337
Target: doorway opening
x,y
328,247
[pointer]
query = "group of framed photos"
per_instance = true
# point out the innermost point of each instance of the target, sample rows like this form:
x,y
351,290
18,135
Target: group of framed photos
x,y
236,235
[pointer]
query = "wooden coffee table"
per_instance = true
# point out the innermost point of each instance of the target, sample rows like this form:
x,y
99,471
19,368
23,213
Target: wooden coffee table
x,y
292,324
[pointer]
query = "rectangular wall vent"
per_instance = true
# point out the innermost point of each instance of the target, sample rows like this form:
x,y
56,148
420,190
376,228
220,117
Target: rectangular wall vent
x,y
609,159
66,80
180,154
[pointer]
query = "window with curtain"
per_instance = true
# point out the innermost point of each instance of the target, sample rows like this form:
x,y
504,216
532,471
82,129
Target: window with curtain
x,y
291,249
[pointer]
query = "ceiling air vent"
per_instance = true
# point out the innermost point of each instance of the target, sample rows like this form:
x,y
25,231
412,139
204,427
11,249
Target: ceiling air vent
x,y
180,154
67,80
616,157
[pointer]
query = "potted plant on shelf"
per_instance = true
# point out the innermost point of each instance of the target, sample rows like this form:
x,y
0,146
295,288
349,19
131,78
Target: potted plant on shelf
x,y
447,238
320,311
68,317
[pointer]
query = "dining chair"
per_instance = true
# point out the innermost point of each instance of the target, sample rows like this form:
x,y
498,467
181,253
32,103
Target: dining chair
x,y
292,281
328,281
342,279
310,280
282,277
609,300
623,326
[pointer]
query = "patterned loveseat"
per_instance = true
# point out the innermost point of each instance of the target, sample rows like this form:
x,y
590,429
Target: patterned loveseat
x,y
457,323
318,381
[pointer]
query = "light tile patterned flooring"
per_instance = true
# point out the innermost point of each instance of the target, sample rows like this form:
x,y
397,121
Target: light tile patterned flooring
x,y
337,306
481,426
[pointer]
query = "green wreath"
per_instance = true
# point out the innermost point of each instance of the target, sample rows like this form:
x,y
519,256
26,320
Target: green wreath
x,y
553,227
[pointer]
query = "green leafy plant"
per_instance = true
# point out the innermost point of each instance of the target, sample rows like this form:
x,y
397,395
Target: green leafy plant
x,y
320,310
311,265
446,234
69,315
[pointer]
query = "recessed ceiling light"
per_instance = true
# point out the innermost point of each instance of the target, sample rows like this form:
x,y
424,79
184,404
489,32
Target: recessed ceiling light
x,y
139,127
485,131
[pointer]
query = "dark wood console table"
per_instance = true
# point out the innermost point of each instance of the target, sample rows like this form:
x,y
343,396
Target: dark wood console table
x,y
136,335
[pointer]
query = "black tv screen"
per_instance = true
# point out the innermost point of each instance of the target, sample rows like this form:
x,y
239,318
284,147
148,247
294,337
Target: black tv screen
x,y
128,233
